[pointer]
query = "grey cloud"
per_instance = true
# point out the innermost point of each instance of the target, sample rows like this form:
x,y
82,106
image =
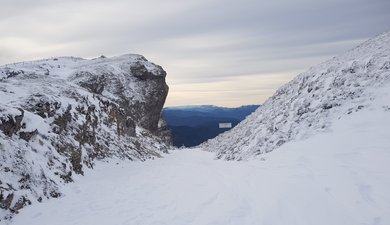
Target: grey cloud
x,y
197,41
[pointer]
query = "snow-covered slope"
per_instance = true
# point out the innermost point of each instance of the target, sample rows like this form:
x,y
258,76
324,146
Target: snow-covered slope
x,y
61,114
311,102
340,177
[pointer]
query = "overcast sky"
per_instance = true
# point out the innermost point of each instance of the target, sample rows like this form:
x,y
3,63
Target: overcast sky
x,y
221,52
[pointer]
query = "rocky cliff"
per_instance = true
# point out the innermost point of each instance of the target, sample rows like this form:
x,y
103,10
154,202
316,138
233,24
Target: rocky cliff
x,y
59,115
311,102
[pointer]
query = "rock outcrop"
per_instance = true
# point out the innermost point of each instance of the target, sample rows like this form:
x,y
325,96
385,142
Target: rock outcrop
x,y
310,102
58,116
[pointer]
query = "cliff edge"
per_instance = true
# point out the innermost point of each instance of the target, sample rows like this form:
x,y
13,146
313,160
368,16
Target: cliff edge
x,y
59,115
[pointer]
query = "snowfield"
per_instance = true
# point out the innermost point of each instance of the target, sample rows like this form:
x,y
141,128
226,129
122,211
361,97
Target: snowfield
x,y
340,176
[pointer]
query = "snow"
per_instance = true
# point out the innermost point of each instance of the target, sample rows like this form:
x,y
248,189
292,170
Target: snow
x,y
317,152
35,122
310,102
59,71
40,93
341,176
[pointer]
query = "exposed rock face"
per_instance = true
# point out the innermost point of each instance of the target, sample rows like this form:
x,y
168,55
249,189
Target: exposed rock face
x,y
310,102
58,116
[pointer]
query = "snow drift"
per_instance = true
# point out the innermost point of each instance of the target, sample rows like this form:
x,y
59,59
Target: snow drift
x,y
60,115
311,102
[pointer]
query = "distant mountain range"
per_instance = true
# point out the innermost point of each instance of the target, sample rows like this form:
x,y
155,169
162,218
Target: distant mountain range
x,y
192,125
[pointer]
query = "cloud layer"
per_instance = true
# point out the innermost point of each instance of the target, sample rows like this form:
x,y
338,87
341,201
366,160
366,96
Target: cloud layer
x,y
221,52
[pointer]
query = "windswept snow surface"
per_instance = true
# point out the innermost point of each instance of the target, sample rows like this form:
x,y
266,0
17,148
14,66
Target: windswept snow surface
x,y
341,176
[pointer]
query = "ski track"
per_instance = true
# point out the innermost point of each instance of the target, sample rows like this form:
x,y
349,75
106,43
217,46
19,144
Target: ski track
x,y
338,177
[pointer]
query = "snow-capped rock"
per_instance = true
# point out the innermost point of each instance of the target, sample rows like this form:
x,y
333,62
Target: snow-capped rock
x,y
59,115
311,102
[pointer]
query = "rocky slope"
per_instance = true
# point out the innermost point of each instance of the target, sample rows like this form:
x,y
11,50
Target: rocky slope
x,y
311,102
59,115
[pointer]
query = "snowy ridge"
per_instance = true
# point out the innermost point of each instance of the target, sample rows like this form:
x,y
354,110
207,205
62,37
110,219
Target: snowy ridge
x,y
311,102
59,115
64,69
